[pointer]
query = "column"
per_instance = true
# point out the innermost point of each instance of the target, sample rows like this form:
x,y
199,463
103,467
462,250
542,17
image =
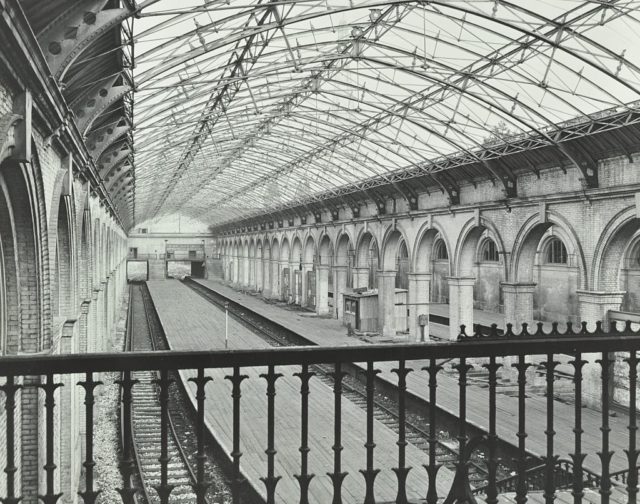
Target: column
x,y
284,296
594,306
339,288
306,267
322,289
386,303
275,279
259,277
460,305
360,278
518,309
419,297
518,304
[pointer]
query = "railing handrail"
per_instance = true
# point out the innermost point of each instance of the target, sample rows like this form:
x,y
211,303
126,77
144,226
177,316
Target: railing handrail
x,y
20,365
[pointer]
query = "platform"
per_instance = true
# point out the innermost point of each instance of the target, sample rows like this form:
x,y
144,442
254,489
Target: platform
x,y
191,323
331,333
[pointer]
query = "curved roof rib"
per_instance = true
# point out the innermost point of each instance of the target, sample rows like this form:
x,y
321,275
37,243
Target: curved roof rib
x,y
252,106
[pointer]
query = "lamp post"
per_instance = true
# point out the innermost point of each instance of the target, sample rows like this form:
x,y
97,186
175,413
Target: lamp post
x,y
226,324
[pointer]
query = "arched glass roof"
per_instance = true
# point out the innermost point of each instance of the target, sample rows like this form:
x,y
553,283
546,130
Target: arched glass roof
x,y
245,106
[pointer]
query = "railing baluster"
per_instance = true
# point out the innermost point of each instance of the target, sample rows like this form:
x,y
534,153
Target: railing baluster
x,y
605,455
402,471
370,473
337,476
304,478
127,465
432,468
238,480
550,462
164,489
271,481
522,486
632,452
89,495
201,485
460,489
492,463
577,456
10,388
50,467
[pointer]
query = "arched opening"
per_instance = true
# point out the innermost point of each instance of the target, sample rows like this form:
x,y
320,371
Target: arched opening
x,y
296,266
275,269
548,258
324,277
440,271
309,274
9,303
343,271
367,263
252,264
630,276
62,295
487,294
285,280
402,267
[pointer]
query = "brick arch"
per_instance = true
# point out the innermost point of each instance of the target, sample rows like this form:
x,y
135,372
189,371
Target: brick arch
x,y
423,247
62,302
527,245
344,245
285,249
469,241
611,249
390,246
296,249
309,252
10,313
364,243
325,249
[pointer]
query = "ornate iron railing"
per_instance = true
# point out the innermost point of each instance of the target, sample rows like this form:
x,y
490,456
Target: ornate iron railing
x,y
487,350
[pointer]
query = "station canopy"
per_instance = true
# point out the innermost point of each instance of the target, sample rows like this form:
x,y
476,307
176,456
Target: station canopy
x,y
247,107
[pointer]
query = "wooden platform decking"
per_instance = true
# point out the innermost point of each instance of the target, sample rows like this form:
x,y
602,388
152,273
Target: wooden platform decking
x,y
330,332
191,323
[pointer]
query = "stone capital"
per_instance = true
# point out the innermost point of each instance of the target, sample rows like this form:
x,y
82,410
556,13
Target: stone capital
x,y
518,287
600,297
419,276
386,274
461,281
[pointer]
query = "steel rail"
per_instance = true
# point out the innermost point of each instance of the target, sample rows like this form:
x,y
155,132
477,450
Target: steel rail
x,y
128,346
152,337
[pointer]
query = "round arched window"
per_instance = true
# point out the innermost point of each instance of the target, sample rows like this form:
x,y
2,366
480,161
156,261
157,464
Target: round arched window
x,y
440,250
555,252
489,251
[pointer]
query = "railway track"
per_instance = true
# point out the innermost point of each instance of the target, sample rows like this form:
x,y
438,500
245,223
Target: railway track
x,y
277,335
146,414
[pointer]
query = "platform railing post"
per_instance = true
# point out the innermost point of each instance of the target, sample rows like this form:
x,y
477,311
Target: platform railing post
x,y
370,472
460,488
127,464
50,467
577,456
89,495
271,480
492,463
433,466
632,452
551,458
402,470
236,454
605,454
304,478
201,485
10,388
164,489
337,476
521,464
